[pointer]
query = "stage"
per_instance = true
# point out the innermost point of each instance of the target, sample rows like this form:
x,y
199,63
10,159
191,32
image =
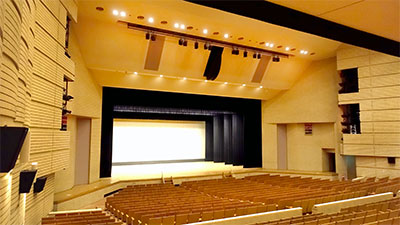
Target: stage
x,y
167,170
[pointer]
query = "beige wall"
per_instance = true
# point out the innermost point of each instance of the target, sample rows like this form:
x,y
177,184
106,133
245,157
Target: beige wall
x,y
87,104
312,99
379,99
305,150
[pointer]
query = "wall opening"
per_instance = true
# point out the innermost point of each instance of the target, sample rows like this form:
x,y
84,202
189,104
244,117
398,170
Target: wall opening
x,y
282,147
82,154
331,162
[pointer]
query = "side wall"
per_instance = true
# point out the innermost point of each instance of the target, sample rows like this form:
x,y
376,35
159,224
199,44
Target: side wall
x,y
87,104
313,99
379,99
32,70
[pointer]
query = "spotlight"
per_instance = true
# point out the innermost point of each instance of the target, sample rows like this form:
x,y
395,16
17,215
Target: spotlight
x,y
153,37
254,55
182,26
176,25
275,58
205,46
196,45
287,48
122,13
206,81
180,42
161,75
271,45
205,31
261,86
185,43
245,54
147,36
135,73
151,20
184,78
244,85
226,35
258,56
233,51
209,47
225,82
115,12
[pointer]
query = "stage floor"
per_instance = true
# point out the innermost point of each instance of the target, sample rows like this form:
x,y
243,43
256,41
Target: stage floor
x,y
150,171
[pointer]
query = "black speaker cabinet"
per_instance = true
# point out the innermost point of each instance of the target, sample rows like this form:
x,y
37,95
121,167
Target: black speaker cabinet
x,y
391,160
39,184
11,140
213,63
26,178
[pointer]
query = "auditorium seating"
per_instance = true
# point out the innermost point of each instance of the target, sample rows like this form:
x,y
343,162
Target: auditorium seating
x,y
81,218
381,213
204,200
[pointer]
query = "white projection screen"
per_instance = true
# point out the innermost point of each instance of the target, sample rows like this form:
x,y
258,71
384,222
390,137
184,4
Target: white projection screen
x,y
146,141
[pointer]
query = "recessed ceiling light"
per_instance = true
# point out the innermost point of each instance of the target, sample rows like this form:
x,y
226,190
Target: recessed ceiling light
x,y
184,78
161,75
271,45
151,20
176,25
261,86
122,13
226,35
115,12
135,73
301,51
206,81
226,83
267,44
287,48
205,31
182,26
305,52
244,85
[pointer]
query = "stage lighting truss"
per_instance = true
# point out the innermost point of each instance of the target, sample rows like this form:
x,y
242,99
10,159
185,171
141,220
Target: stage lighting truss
x,y
184,38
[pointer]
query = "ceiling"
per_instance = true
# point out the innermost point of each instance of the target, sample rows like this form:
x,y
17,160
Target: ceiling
x,y
111,51
379,17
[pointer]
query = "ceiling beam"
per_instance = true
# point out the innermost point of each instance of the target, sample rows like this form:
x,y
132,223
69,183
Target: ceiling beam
x,y
279,15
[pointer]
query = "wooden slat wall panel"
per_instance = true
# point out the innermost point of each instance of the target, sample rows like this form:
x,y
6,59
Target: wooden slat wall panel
x,y
379,99
31,81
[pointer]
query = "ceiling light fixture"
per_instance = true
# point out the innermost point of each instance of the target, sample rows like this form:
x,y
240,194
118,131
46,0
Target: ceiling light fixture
x,y
258,56
287,48
122,13
161,75
135,73
261,86
180,42
196,45
245,54
244,85
271,45
147,36
184,43
275,58
226,35
301,51
115,12
205,31
151,20
176,25
153,37
226,83
305,52
184,78
182,26
206,81
267,44
254,55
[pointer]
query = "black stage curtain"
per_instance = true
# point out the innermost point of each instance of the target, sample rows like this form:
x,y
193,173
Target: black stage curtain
x,y
233,125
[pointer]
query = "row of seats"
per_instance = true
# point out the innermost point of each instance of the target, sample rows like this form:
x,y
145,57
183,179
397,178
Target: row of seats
x,y
384,212
204,200
81,218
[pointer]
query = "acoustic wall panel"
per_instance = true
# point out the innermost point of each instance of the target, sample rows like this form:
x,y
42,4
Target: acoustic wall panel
x,y
379,94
